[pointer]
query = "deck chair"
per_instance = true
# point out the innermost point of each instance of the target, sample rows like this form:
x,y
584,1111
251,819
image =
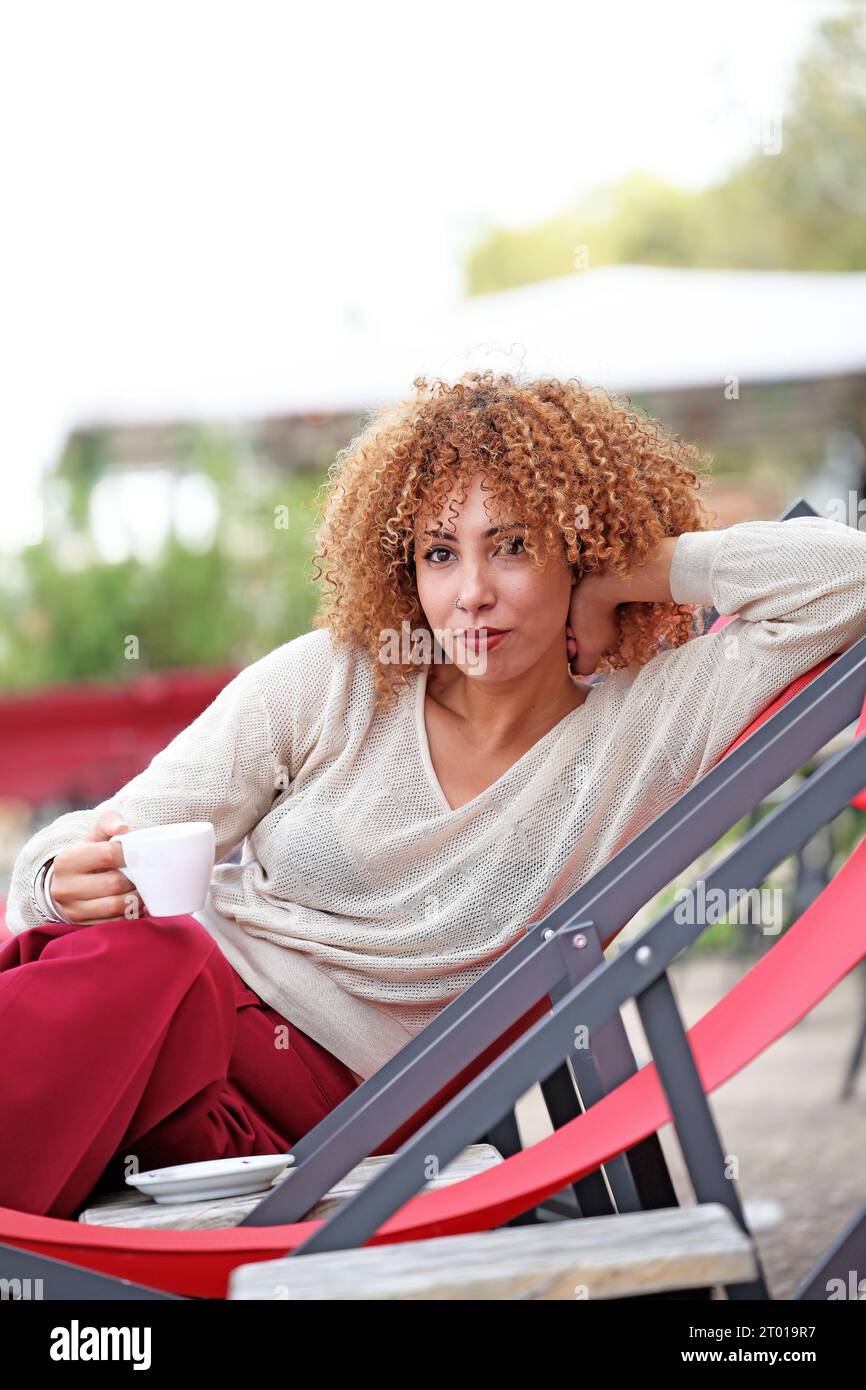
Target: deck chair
x,y
536,969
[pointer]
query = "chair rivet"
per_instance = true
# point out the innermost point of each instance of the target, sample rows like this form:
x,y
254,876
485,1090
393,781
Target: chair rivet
x,y
548,934
643,955
579,940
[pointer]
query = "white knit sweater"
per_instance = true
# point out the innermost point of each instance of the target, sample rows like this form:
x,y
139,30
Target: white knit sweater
x,y
363,902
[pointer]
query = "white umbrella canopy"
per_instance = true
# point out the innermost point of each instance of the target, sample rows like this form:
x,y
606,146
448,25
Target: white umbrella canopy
x,y
626,327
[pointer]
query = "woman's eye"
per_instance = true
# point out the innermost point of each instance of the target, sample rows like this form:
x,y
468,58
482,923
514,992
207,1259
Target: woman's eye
x,y
513,540
444,550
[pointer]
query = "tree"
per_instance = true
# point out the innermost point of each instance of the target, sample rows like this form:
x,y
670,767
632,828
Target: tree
x,y
797,203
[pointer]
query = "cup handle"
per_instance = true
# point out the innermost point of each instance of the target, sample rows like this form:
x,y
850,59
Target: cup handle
x,y
126,869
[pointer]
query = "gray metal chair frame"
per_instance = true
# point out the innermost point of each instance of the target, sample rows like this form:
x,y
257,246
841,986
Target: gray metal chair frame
x,y
585,989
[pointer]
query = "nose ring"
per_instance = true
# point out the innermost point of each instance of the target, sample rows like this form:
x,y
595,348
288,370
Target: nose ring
x,y
457,603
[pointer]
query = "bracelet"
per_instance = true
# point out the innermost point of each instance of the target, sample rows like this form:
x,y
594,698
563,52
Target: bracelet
x,y
46,893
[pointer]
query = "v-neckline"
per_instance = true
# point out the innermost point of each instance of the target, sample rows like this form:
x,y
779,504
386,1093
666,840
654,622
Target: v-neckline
x,y
427,761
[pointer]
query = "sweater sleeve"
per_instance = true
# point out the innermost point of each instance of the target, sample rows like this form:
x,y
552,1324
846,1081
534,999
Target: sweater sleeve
x,y
227,767
798,588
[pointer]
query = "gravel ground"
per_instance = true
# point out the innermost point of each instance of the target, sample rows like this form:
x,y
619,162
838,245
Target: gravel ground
x,y
797,1143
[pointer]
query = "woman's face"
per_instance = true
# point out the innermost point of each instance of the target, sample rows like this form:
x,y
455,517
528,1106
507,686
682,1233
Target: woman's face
x,y
497,585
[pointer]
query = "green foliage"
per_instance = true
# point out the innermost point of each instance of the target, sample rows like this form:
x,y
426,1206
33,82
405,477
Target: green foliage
x,y
245,594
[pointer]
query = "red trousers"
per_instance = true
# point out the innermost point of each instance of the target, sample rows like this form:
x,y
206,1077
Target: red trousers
x,y
136,1040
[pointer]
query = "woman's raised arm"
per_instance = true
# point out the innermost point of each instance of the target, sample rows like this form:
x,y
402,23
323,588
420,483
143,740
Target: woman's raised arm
x,y
799,590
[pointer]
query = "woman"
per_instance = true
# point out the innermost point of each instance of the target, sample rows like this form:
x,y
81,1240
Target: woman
x,y
417,778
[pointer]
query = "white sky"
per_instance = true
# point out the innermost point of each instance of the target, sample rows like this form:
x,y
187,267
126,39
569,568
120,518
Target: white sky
x,y
173,173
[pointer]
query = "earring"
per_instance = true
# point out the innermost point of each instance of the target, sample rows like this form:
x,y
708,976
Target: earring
x,y
457,603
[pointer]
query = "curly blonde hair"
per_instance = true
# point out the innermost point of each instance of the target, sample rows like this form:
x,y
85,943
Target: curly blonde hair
x,y
585,470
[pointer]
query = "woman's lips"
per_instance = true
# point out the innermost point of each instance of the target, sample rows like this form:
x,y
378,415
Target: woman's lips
x,y
484,640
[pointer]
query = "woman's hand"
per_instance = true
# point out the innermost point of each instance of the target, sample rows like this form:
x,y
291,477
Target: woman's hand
x,y
592,627
87,884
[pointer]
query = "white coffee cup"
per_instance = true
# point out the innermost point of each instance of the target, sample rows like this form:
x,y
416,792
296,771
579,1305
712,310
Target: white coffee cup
x,y
170,865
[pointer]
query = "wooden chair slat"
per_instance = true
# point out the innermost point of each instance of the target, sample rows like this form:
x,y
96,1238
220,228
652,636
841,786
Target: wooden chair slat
x,y
596,1257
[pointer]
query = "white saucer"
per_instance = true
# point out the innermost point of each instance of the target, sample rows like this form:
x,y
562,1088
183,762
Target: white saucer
x,y
216,1177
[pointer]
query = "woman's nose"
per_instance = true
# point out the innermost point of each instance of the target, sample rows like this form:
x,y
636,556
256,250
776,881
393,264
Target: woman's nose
x,y
474,592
